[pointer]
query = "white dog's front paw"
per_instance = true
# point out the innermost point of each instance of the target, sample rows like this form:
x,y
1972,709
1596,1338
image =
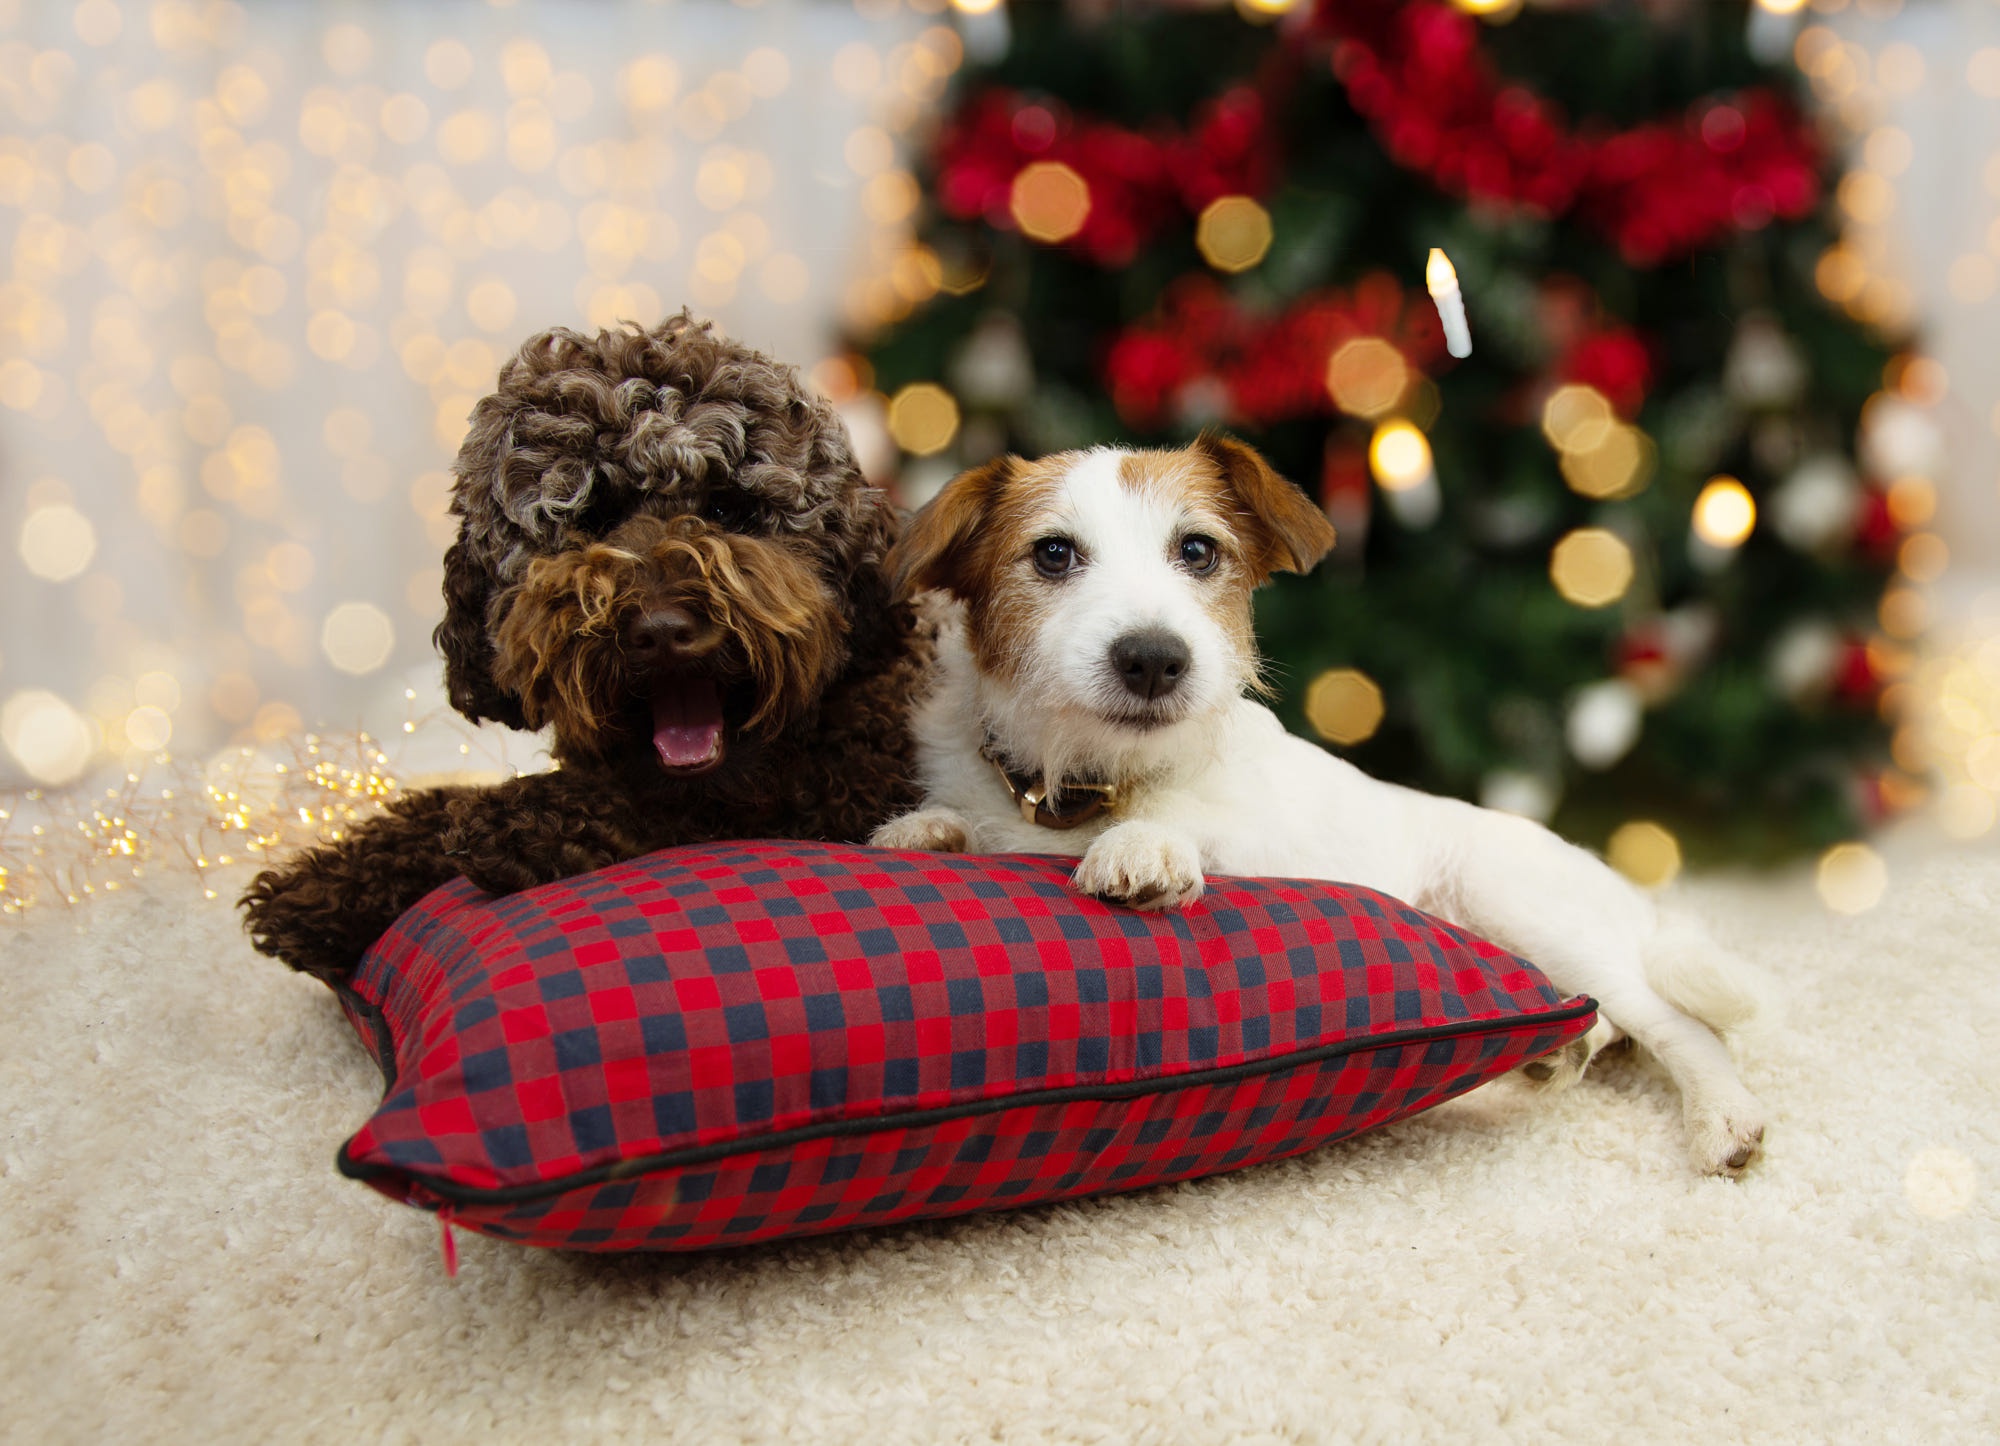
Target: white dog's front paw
x,y
924,830
1725,1136
1141,865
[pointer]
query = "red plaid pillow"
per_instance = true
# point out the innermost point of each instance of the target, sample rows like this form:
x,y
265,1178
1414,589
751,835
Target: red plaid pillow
x,y
710,1046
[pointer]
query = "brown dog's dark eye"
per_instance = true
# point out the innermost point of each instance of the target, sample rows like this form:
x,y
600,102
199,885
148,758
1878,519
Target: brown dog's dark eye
x,y
1200,554
731,511
1054,556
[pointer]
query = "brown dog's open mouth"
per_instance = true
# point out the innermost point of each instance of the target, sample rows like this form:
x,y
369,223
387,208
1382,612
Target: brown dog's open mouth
x,y
687,724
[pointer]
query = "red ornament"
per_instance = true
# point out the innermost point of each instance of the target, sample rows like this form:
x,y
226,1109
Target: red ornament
x,y
1616,362
1875,530
1855,680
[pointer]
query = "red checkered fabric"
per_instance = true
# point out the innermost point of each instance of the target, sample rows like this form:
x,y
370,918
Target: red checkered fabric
x,y
724,1044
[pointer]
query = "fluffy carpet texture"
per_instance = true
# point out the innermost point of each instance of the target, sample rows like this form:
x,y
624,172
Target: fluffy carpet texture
x,y
179,1261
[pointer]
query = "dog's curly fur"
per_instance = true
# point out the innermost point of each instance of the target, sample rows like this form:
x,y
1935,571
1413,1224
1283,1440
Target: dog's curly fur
x,y
607,478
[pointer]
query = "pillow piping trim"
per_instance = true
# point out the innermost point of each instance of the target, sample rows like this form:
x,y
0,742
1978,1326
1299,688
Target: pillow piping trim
x,y
451,1192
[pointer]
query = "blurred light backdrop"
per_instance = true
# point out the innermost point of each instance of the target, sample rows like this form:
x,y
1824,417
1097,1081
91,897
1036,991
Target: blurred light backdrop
x,y
262,259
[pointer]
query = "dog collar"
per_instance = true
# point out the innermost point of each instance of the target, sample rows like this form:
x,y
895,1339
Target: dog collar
x,y
1077,804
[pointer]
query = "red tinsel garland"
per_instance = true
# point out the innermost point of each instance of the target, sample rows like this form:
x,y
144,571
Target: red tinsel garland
x,y
1416,71
1139,181
1660,190
1203,352
1258,369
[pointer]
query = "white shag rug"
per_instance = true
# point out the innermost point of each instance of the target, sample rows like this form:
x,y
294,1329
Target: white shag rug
x,y
180,1262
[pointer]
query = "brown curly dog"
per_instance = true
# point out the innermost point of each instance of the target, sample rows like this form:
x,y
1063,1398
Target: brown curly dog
x,y
667,556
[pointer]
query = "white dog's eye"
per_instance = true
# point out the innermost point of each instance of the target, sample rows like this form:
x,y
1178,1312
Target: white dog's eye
x,y
1200,554
1054,556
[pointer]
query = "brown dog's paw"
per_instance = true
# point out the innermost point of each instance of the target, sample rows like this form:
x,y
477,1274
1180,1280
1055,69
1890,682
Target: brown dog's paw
x,y
537,829
295,915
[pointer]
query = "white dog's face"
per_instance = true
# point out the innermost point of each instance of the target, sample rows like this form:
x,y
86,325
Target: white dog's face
x,y
1107,592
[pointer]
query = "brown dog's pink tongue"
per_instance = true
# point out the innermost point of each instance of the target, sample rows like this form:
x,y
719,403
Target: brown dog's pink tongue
x,y
687,723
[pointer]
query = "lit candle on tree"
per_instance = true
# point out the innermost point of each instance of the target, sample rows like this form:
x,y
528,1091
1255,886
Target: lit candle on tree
x,y
1443,283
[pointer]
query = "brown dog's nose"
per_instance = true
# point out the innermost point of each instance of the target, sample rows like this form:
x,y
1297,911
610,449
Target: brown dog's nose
x,y
662,636
1150,663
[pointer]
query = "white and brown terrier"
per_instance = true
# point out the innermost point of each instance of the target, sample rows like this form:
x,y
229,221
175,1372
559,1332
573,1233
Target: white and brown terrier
x,y
1092,700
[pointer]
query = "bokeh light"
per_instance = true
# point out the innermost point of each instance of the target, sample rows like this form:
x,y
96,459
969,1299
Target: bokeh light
x,y
57,542
1344,706
1233,234
148,728
1618,463
1399,456
1940,1183
1591,567
1367,376
1645,852
1851,878
1049,201
1966,810
47,737
923,418
1576,418
357,637
1724,513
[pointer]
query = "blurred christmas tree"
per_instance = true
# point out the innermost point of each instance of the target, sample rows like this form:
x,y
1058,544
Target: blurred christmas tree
x,y
1621,564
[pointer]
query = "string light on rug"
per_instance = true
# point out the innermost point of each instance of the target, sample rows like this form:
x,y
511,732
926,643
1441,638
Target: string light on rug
x,y
183,816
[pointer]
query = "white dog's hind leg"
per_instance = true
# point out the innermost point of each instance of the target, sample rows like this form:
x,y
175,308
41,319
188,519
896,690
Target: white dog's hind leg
x,y
1699,977
1561,1068
1592,933
1725,1123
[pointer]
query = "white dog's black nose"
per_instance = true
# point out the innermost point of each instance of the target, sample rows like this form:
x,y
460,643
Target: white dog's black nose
x,y
1150,662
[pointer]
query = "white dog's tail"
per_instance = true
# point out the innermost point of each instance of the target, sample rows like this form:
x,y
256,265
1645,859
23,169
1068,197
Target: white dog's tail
x,y
1699,977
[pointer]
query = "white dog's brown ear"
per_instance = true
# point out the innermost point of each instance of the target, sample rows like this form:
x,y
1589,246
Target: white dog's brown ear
x,y
1286,531
934,550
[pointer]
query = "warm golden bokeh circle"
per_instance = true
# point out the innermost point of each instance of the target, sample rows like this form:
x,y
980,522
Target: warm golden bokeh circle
x,y
1049,201
1645,852
1399,455
1851,878
923,418
1344,706
1576,418
1591,567
1367,376
1724,513
1233,234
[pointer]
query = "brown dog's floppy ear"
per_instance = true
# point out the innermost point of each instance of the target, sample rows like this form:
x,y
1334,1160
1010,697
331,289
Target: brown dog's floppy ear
x,y
931,553
467,645
1287,532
